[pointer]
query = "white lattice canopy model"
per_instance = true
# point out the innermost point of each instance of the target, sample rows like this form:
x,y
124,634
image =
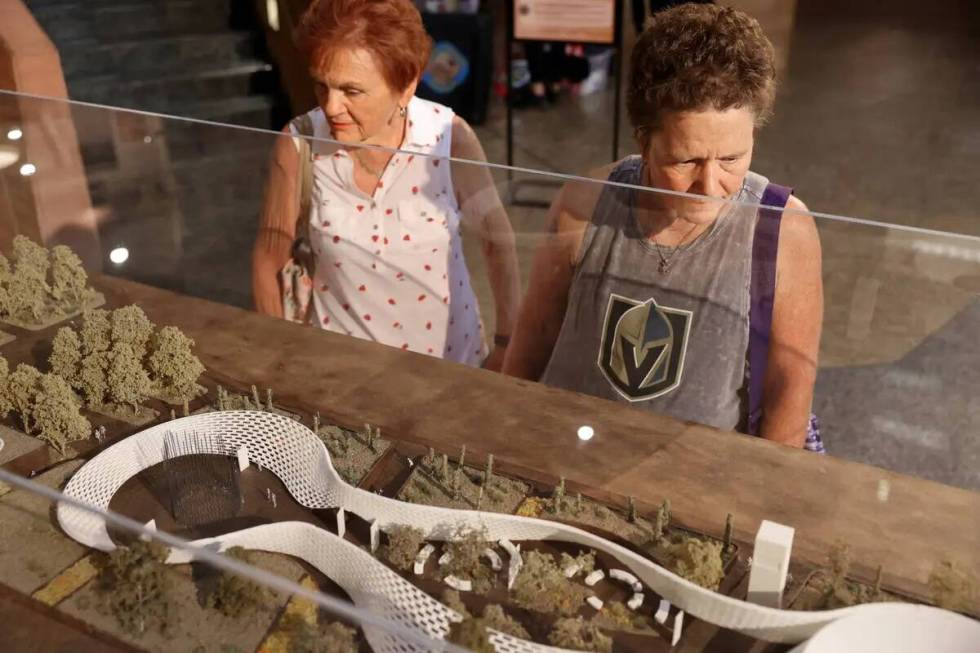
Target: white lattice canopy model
x,y
296,455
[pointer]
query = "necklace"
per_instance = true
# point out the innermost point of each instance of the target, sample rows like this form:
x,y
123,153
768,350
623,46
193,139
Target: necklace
x,y
665,260
374,172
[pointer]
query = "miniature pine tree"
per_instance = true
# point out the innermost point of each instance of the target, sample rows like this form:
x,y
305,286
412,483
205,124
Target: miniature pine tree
x,y
68,278
66,355
56,414
220,391
479,498
876,588
659,525
131,326
430,457
187,408
631,509
462,457
173,365
128,381
729,531
268,399
444,474
96,330
255,396
488,476
665,506
578,502
92,378
21,390
839,561
559,494
173,415
316,422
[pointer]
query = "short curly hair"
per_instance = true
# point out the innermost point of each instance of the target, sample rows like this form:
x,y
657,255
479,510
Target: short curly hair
x,y
391,30
699,56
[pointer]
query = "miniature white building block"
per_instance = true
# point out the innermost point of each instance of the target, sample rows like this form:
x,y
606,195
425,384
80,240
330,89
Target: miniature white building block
x,y
341,522
595,602
458,583
495,562
595,577
624,576
375,536
571,570
770,564
242,458
423,556
635,601
663,610
515,563
151,525
678,628
445,559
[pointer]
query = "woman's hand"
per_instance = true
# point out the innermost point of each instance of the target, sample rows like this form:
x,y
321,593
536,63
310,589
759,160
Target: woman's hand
x,y
495,361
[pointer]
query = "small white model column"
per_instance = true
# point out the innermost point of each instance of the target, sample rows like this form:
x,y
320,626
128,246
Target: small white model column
x,y
770,564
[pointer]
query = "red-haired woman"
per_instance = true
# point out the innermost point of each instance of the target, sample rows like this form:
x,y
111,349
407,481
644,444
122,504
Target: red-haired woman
x,y
384,225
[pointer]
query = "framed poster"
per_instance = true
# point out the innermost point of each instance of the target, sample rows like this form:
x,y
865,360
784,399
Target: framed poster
x,y
580,21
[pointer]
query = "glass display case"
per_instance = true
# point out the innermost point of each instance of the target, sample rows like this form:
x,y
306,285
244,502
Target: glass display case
x,y
385,493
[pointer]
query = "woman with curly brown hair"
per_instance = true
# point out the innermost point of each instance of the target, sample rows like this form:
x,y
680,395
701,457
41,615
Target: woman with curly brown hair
x,y
376,202
665,299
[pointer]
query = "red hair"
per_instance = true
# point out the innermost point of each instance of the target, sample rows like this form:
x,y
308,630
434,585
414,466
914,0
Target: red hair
x,y
391,30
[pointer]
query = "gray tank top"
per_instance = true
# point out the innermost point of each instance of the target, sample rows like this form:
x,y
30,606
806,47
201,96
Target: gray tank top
x,y
673,342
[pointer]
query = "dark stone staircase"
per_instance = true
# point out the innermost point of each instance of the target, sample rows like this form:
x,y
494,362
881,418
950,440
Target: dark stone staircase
x,y
186,205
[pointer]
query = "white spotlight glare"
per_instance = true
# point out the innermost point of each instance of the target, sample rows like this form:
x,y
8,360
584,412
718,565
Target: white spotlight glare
x,y
585,433
119,255
15,134
28,169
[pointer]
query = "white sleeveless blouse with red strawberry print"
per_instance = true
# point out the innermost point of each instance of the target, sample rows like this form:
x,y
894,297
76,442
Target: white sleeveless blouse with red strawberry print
x,y
390,267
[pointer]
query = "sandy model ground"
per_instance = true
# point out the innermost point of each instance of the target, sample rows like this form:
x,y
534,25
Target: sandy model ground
x,y
350,452
125,413
424,486
16,444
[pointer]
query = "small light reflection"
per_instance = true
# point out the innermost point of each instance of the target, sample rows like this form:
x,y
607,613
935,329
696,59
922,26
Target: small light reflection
x,y
119,255
15,134
147,139
585,433
28,169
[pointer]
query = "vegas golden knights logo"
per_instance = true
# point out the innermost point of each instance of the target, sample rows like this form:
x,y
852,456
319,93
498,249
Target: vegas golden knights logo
x,y
643,346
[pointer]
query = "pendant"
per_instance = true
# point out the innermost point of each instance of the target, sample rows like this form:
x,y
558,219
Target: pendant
x,y
664,267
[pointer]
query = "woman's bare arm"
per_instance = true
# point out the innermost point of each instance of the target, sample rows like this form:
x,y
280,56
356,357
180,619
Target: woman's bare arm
x,y
483,210
277,226
796,324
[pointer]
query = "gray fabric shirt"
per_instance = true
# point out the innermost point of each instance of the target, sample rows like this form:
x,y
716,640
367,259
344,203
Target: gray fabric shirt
x,y
673,342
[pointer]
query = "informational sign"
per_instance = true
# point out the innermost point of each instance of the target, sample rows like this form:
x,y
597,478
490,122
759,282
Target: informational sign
x,y
581,21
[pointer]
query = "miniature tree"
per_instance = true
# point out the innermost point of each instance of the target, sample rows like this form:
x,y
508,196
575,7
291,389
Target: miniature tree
x,y
4,269
5,400
697,560
631,510
952,588
578,503
69,282
31,262
839,561
92,378
444,474
496,618
131,326
429,459
876,594
541,586
489,473
471,633
316,422
173,365
452,600
66,355
136,585
729,531
128,381
665,506
403,546
579,635
21,391
96,330
233,595
462,457
616,615
56,414
24,298
307,637
255,396
479,498
466,550
584,561
558,496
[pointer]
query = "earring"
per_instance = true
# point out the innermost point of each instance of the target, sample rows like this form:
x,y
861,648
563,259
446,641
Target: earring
x,y
402,111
